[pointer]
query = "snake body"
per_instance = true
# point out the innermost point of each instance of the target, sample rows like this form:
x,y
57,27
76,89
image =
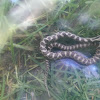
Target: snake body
x,y
49,42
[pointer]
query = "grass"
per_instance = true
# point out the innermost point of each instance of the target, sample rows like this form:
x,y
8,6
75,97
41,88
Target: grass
x,y
22,65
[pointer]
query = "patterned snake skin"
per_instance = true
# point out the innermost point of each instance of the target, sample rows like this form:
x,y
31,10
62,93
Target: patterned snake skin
x,y
49,42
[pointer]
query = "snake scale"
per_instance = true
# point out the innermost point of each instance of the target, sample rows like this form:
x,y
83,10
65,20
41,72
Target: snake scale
x,y
49,42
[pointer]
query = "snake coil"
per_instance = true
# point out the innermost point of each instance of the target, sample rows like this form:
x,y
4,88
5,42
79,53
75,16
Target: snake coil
x,y
50,42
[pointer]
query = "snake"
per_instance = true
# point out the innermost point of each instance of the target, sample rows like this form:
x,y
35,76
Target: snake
x,y
67,51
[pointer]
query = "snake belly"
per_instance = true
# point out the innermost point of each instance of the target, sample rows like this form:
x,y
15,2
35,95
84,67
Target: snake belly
x,y
49,42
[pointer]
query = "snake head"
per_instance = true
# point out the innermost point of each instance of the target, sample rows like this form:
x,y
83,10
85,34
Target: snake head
x,y
96,39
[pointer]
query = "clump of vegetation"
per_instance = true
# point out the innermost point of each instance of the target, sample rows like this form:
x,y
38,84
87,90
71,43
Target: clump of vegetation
x,y
22,64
